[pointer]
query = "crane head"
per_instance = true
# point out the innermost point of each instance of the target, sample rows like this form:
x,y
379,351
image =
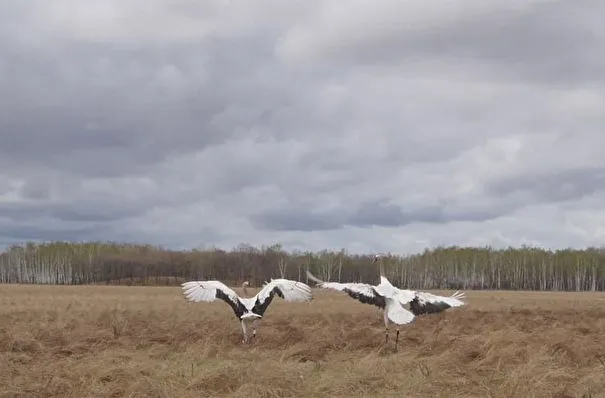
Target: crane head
x,y
376,258
244,287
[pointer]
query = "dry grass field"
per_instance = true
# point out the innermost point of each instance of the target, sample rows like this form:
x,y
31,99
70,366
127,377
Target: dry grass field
x,y
104,341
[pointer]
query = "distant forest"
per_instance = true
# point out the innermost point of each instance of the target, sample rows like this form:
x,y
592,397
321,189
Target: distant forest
x,y
524,268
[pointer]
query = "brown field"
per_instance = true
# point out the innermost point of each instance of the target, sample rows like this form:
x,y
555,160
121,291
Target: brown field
x,y
103,341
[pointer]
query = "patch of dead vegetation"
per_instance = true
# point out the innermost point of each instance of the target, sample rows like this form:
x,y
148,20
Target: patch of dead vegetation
x,y
148,342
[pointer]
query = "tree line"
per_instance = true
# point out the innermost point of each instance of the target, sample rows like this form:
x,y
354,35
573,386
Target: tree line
x,y
524,268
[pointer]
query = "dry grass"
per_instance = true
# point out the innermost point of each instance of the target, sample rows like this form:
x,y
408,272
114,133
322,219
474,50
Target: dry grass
x,y
100,341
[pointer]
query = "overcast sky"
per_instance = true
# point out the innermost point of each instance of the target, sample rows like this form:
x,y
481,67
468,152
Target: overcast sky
x,y
366,125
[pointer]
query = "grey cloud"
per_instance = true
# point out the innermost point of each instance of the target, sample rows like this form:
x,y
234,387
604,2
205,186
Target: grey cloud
x,y
146,102
381,214
370,214
183,132
523,43
27,232
292,220
88,211
550,41
552,186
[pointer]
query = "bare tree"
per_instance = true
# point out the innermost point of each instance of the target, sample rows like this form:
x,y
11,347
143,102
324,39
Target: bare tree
x,y
449,267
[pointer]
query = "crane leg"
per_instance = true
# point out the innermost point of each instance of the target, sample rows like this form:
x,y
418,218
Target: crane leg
x,y
254,326
396,339
386,327
245,332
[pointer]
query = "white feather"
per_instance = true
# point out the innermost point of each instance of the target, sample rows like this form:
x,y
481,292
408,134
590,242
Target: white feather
x,y
359,288
399,315
292,290
404,296
452,301
197,291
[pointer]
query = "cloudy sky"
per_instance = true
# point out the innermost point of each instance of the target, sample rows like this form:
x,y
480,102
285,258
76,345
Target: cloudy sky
x,y
381,125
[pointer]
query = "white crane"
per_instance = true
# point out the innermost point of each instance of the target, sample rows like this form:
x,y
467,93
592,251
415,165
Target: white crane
x,y
247,309
419,302
392,299
392,310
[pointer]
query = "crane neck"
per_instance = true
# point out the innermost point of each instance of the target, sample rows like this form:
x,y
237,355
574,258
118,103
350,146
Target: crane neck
x,y
381,266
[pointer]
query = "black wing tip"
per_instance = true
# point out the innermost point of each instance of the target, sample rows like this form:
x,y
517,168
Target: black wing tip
x,y
427,307
377,300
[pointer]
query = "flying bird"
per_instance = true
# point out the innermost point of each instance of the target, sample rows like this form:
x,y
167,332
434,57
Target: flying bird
x,y
247,309
392,299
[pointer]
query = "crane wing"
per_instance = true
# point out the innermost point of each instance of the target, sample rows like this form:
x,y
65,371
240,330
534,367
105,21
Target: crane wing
x,y
428,303
197,291
359,291
287,289
420,302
